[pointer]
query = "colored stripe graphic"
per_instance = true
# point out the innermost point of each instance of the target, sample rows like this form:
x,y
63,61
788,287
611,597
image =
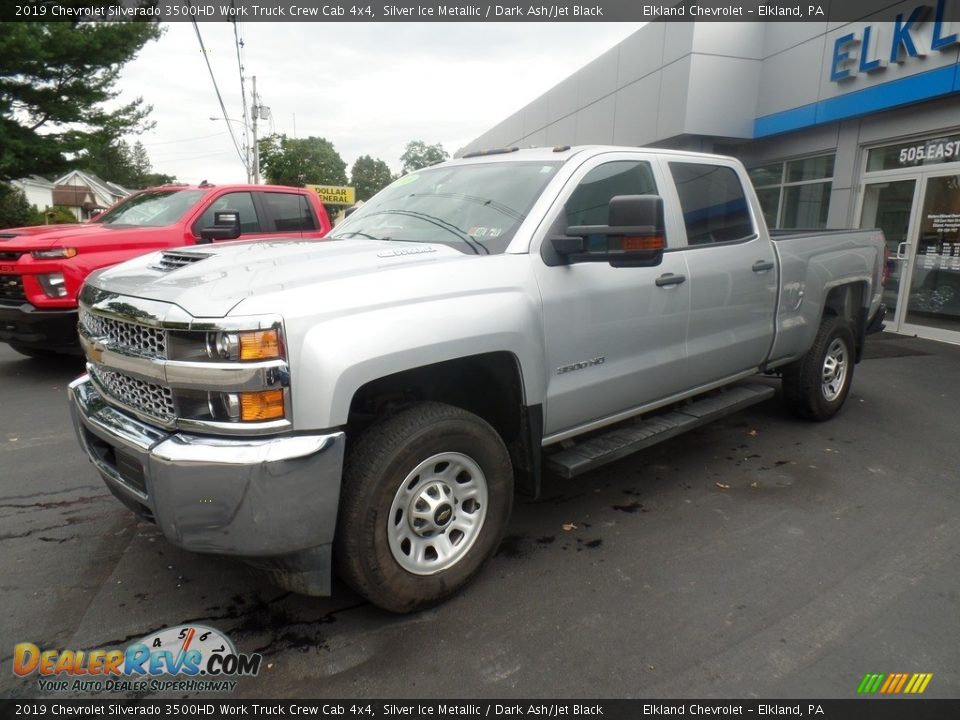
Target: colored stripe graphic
x,y
894,683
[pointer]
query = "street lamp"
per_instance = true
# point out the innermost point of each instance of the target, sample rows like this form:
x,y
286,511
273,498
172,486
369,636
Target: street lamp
x,y
257,111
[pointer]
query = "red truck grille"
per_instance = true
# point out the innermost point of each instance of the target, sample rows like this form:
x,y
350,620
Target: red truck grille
x,y
11,289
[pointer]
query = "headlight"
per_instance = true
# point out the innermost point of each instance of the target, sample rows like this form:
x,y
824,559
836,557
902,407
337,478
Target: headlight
x,y
254,345
55,253
53,285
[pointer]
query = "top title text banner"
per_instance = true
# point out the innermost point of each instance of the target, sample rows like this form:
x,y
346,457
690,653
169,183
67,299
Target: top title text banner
x,y
466,10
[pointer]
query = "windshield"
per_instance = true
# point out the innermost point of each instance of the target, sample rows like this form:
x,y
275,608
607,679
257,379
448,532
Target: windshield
x,y
474,208
152,209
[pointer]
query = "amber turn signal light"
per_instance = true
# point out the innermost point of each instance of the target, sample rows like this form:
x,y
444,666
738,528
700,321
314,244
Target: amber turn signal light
x,y
259,345
265,405
633,244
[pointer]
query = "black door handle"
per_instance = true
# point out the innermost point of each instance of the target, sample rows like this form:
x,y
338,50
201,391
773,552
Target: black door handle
x,y
670,279
762,266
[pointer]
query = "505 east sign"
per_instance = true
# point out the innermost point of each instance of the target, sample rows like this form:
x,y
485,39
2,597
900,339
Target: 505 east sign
x,y
865,51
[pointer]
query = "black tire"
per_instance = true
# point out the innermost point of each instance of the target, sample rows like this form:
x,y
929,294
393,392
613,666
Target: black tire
x,y
379,488
33,352
806,389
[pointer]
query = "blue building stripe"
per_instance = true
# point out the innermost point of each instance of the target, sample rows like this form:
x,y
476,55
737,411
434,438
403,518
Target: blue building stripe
x,y
915,88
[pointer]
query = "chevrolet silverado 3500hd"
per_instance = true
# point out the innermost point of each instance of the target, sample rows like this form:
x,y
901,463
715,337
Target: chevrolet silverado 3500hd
x,y
372,402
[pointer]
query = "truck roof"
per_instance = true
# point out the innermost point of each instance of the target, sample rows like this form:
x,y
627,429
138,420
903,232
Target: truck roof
x,y
564,153
227,186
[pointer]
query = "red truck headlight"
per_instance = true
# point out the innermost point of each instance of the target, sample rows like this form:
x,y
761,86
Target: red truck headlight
x,y
54,254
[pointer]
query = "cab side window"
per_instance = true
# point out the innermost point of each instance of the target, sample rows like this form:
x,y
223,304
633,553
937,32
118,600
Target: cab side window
x,y
240,202
713,203
588,203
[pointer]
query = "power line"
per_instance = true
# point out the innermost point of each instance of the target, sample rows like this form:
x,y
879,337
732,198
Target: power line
x,y
223,108
180,140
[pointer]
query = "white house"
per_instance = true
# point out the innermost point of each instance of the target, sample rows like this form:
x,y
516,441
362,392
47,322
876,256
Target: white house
x,y
38,190
84,192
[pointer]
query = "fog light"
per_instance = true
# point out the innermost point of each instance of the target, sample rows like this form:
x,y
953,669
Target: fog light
x,y
223,406
53,285
266,405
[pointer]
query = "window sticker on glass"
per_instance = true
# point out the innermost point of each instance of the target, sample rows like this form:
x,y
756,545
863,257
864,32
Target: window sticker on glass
x,y
546,169
406,180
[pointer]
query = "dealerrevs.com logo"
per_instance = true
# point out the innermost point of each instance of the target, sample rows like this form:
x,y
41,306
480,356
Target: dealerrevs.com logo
x,y
188,658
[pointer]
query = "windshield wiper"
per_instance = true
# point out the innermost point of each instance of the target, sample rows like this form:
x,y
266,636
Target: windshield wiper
x,y
439,222
355,233
487,202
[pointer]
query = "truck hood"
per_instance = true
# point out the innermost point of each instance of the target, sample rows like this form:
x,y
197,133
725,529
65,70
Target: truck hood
x,y
83,235
216,278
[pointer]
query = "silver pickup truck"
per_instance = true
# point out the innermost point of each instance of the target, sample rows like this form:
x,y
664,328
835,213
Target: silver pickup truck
x,y
371,402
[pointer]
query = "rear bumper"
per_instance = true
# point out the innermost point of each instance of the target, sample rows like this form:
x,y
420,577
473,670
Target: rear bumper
x,y
270,499
44,329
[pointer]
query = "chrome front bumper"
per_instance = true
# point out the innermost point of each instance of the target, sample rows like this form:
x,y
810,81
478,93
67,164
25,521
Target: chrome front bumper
x,y
273,497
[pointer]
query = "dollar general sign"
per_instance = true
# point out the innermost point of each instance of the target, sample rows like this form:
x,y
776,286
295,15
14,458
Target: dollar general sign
x,y
334,194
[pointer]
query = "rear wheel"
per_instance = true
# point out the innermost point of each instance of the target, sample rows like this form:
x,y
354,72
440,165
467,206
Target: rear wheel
x,y
816,386
426,498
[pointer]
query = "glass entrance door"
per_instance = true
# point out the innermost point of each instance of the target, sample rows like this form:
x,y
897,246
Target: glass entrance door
x,y
933,296
888,205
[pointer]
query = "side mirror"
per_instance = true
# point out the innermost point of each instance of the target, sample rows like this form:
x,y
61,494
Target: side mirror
x,y
634,236
226,226
94,214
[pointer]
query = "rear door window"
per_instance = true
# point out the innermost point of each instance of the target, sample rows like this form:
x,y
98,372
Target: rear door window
x,y
290,212
713,202
241,202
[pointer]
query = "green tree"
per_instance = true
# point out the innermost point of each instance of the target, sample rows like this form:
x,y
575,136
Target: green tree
x,y
301,161
15,211
417,154
116,161
56,79
369,176
107,158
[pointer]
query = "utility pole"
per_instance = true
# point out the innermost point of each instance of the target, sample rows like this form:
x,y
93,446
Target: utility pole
x,y
254,114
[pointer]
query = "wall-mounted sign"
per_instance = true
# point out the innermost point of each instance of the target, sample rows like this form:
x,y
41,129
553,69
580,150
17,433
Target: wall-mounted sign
x,y
334,194
912,154
913,35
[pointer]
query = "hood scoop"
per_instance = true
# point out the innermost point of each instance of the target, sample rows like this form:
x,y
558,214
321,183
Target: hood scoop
x,y
172,260
7,236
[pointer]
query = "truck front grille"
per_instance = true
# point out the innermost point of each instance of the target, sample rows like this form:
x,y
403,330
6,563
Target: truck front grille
x,y
11,289
149,398
126,336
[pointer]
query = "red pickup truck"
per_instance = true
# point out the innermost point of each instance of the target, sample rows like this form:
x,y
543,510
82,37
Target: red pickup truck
x,y
42,268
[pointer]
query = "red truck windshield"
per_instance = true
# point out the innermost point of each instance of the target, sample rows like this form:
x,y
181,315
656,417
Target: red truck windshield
x,y
152,209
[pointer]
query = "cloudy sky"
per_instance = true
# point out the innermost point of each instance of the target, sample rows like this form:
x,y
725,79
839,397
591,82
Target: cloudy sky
x,y
367,87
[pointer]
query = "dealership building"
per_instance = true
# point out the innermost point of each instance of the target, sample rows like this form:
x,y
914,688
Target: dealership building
x,y
840,124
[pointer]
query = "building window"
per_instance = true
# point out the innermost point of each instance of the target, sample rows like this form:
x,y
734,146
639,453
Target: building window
x,y
796,193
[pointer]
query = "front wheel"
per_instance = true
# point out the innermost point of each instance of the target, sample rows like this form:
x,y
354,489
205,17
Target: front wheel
x,y
426,498
816,386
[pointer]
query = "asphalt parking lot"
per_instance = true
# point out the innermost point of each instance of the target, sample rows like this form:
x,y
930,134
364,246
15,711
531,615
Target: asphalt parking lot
x,y
760,556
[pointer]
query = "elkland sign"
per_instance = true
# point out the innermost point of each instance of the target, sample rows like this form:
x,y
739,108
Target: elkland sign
x,y
861,52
